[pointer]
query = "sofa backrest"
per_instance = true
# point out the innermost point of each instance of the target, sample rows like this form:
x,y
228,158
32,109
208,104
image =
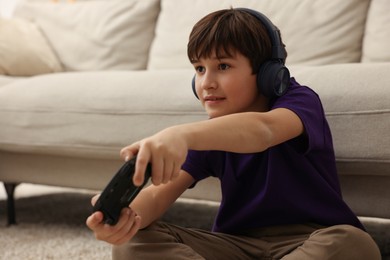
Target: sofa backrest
x,y
153,34
377,33
315,32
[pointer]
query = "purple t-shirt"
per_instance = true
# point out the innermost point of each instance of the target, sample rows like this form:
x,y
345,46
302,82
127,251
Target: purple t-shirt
x,y
290,183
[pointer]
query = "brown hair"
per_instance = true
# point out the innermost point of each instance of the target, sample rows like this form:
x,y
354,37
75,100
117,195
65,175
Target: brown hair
x,y
227,31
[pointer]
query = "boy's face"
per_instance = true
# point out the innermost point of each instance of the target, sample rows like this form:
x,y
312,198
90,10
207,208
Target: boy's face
x,y
227,85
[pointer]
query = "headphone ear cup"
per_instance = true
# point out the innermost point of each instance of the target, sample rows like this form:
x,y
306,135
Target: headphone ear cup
x,y
273,79
193,87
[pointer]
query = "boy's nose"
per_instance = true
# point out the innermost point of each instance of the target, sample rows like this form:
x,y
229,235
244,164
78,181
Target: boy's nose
x,y
208,82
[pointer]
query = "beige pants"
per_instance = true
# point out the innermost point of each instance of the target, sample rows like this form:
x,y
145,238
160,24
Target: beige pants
x,y
165,241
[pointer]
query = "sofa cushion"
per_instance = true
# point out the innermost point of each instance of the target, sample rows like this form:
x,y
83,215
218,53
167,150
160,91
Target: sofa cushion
x,y
356,102
377,35
315,32
96,34
93,114
20,59
4,80
98,109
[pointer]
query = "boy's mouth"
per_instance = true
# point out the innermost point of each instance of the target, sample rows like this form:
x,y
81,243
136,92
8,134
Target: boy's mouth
x,y
213,98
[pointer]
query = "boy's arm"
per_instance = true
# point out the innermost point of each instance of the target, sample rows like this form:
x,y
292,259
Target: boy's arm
x,y
241,133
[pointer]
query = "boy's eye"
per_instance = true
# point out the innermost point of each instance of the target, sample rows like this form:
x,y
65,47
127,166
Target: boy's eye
x,y
199,69
223,66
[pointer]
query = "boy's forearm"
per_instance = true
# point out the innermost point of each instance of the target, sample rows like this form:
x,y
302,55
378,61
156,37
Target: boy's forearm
x,y
241,133
248,132
147,207
153,201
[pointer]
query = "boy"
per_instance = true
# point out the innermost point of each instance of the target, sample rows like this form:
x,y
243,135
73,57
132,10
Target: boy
x,y
267,141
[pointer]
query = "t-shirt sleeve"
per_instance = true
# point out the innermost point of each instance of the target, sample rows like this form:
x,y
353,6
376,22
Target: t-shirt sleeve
x,y
305,103
197,165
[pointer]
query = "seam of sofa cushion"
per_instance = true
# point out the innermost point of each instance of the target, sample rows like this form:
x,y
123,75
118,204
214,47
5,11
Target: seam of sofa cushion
x,y
360,159
358,112
8,144
103,112
158,112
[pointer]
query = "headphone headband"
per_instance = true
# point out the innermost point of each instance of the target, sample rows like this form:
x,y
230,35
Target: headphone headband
x,y
278,50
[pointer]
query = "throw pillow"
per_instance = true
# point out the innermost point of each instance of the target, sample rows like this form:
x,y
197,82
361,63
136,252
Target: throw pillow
x,y
377,36
24,51
96,34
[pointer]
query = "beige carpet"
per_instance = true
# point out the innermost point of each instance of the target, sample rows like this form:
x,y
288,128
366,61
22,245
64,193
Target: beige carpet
x,y
51,225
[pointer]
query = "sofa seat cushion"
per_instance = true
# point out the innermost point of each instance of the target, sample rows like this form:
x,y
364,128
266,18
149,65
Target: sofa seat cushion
x,y
93,114
78,112
4,80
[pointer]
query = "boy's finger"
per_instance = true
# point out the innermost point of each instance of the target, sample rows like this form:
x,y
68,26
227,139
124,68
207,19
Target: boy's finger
x,y
157,170
126,155
129,151
143,158
94,199
94,220
131,232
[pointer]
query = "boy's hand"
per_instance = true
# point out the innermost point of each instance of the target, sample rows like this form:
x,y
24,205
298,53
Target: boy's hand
x,y
166,151
127,226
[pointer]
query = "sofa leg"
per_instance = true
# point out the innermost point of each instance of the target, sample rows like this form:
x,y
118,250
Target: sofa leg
x,y
10,190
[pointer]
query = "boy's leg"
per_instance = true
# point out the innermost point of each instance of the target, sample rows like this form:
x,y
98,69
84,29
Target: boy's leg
x,y
165,241
337,242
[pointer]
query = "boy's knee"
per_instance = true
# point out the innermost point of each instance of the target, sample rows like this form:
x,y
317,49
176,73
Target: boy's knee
x,y
349,242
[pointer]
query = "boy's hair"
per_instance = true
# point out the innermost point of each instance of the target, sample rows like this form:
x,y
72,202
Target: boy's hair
x,y
227,31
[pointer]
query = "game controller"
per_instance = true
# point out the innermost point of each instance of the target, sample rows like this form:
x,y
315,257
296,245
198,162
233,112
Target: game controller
x,y
120,192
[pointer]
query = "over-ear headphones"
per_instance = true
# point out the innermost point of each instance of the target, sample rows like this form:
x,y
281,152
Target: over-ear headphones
x,y
273,77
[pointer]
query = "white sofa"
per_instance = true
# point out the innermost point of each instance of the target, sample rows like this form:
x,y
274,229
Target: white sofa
x,y
81,80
